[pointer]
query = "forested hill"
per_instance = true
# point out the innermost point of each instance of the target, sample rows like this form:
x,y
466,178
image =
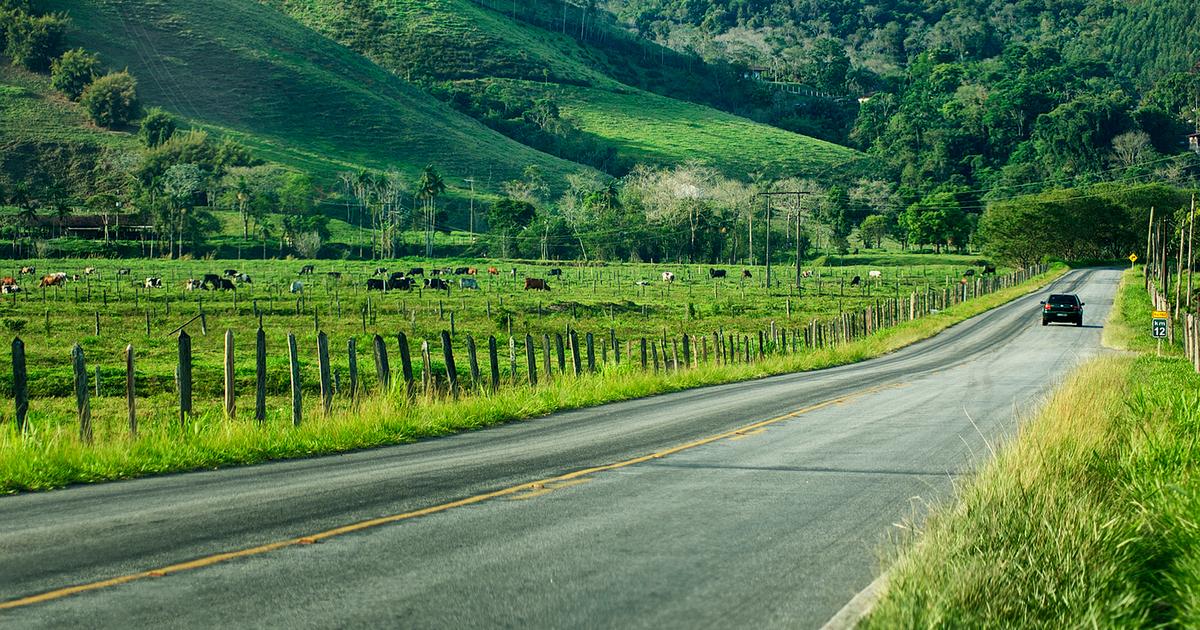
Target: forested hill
x,y
1144,40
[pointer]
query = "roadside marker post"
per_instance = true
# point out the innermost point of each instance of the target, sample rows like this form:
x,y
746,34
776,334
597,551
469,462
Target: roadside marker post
x,y
1159,322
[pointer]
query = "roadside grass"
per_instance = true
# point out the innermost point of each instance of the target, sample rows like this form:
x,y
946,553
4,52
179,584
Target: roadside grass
x,y
1089,518
52,455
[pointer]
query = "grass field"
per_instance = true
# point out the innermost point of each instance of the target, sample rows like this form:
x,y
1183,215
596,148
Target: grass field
x,y
592,300
1091,518
251,72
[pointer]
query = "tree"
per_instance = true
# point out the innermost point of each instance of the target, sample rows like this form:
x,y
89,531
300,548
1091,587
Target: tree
x,y
873,229
74,71
938,219
1132,148
429,187
507,216
157,127
111,101
34,41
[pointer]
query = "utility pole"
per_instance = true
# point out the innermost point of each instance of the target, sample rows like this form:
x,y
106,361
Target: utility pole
x,y
471,181
799,196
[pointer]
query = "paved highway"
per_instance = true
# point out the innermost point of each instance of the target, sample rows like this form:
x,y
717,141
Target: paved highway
x,y
777,524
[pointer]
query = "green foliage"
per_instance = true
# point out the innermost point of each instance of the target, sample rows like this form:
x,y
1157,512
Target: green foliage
x,y
157,127
939,220
74,71
111,101
33,42
873,229
1105,222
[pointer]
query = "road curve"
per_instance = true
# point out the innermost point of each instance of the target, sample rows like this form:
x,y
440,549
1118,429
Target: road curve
x,y
778,525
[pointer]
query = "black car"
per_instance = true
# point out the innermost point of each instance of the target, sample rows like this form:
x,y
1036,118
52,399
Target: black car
x,y
1062,307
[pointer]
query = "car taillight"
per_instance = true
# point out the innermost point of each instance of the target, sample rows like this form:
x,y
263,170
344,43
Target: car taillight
x,y
1047,307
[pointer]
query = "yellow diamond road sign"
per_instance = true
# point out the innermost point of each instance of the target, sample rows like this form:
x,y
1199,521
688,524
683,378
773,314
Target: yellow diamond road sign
x,y
1133,258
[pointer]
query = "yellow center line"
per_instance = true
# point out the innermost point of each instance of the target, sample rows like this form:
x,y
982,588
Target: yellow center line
x,y
536,488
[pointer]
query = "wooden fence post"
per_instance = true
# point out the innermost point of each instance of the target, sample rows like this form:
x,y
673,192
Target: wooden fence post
x,y
294,371
352,358
546,356
323,370
654,353
687,350
493,362
405,363
591,352
530,359
382,370
473,360
448,357
643,349
184,375
260,375
558,348
130,398
20,383
82,404
575,362
230,399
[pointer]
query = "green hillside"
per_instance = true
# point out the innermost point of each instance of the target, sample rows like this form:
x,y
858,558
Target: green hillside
x,y
294,96
458,45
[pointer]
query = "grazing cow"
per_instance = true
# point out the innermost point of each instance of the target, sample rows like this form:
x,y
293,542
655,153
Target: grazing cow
x,y
807,273
226,284
230,273
379,271
75,276
193,285
668,277
468,283
989,270
968,273
536,284
396,275
716,273
642,283
153,283
8,281
210,281
297,287
376,284
10,288
555,272
494,271
244,278
855,281
746,273
471,271
124,271
416,271
53,281
87,271
336,275
461,271
875,273
25,271
437,283
306,270
399,284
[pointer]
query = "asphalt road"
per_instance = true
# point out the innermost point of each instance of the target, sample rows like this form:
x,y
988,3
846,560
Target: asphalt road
x,y
779,525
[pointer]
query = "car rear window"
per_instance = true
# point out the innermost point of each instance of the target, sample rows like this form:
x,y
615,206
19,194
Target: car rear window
x,y
1064,299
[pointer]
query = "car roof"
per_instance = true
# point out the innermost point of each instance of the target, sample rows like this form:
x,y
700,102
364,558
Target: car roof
x,y
1064,296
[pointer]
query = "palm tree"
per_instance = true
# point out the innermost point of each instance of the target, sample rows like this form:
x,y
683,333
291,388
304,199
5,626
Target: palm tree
x,y
429,186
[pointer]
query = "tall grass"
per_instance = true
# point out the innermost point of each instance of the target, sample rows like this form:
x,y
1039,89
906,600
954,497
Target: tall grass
x,y
1091,517
53,456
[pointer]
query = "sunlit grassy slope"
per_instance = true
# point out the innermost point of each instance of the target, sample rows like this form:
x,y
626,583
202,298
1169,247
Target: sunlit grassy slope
x,y
474,44
299,98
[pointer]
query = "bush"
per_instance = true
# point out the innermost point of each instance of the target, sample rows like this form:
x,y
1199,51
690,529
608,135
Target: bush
x,y
157,127
111,101
74,71
33,42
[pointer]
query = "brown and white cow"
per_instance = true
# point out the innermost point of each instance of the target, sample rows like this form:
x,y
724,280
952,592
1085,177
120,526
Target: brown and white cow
x,y
536,284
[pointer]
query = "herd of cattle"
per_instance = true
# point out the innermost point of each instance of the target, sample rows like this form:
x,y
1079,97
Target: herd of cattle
x,y
382,280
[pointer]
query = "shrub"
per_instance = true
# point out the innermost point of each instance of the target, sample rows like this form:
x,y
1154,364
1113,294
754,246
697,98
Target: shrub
x,y
157,127
74,71
111,101
33,42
